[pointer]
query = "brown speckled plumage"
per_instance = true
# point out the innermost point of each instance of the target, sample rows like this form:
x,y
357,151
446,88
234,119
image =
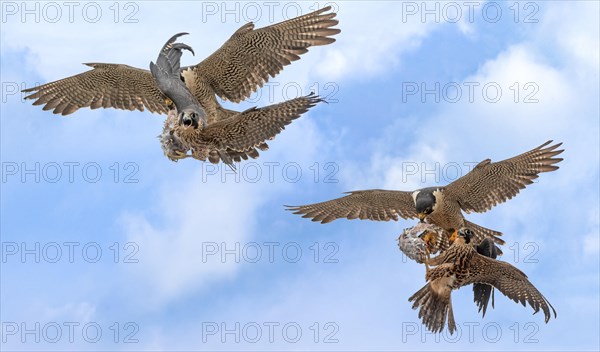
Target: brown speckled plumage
x,y
238,68
489,183
483,187
251,56
374,204
240,136
106,86
461,265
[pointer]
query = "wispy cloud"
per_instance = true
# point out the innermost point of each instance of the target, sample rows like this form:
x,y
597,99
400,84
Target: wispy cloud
x,y
176,209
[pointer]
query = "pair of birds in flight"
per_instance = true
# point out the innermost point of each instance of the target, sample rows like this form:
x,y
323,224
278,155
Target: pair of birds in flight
x,y
467,251
198,126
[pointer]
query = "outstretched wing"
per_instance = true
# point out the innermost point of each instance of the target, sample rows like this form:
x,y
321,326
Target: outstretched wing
x,y
489,184
483,292
252,128
512,282
230,156
376,204
245,62
105,86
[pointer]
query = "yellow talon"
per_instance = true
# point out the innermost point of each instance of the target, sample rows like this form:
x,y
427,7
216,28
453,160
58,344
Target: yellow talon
x,y
427,257
428,238
454,236
168,101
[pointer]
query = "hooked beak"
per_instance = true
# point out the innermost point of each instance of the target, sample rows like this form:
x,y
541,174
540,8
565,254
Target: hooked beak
x,y
422,217
188,121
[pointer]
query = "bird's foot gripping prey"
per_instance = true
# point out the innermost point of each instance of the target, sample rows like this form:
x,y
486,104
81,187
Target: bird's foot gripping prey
x,y
166,73
236,138
423,240
420,241
461,265
453,236
232,139
172,145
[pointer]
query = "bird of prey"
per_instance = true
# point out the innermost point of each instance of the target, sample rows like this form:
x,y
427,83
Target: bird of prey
x,y
234,138
228,140
233,72
488,184
414,243
462,265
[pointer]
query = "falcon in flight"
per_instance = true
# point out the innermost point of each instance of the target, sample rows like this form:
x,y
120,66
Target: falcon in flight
x,y
488,184
228,140
462,265
418,244
237,69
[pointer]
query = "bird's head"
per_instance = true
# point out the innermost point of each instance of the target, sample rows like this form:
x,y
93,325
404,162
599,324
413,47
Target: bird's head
x,y
425,202
466,234
189,119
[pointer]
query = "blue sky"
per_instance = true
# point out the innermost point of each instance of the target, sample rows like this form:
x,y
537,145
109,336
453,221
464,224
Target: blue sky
x,y
156,255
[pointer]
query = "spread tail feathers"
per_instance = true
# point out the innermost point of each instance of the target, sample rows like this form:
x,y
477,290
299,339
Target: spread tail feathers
x,y
433,309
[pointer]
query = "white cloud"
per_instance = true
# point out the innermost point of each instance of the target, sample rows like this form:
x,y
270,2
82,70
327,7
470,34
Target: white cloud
x,y
570,26
373,39
191,209
591,240
561,58
559,109
80,312
198,211
188,212
195,217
